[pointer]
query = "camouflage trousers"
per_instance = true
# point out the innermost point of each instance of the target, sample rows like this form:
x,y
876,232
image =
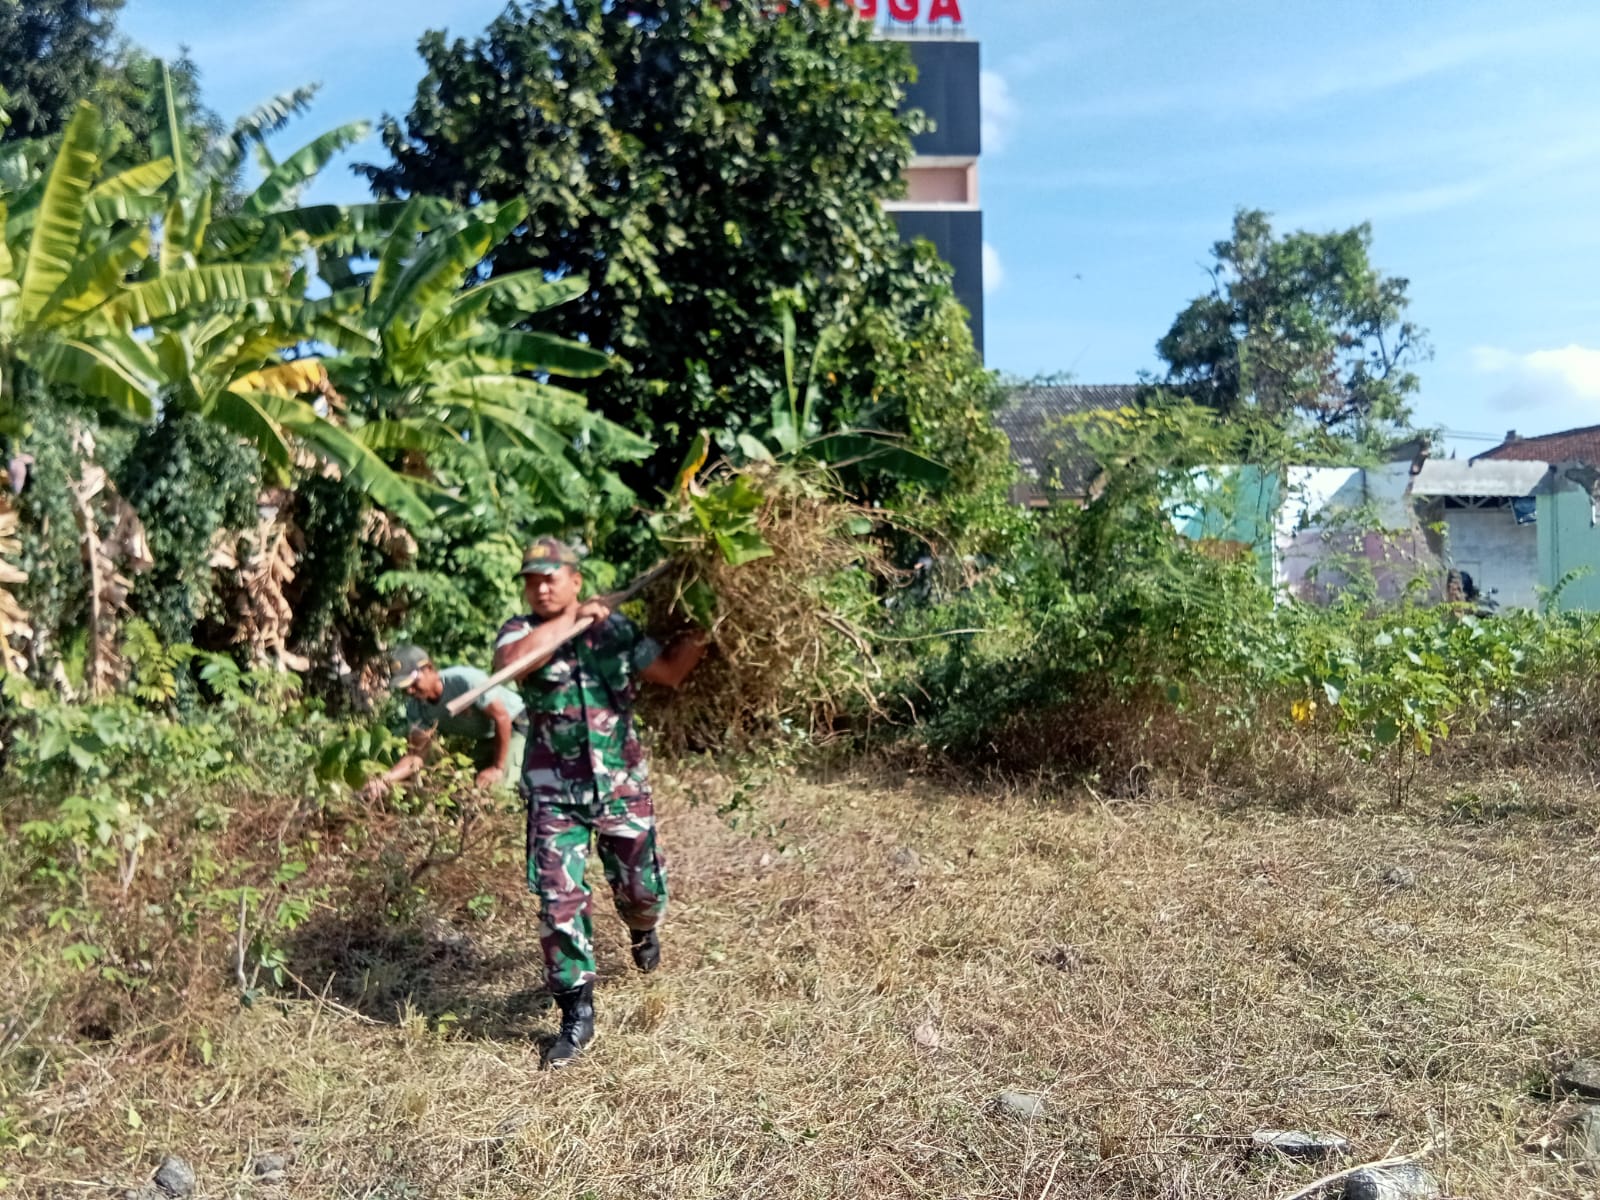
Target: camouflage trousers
x,y
559,833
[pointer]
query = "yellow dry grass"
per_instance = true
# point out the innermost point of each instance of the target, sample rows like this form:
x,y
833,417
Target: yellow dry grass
x,y
857,968
787,654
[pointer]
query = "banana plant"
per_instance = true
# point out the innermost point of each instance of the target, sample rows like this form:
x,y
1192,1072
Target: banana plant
x,y
795,432
112,290
268,223
68,290
448,373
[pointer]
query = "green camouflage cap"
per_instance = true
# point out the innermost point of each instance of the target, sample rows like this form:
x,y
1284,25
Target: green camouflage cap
x,y
547,556
404,664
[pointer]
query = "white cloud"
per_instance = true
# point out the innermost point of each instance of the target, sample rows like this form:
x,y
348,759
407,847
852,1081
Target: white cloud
x,y
994,271
1556,378
1000,111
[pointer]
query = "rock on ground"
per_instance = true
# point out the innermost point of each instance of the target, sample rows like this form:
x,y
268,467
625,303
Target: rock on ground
x,y
1021,1104
1583,1135
1296,1144
175,1177
1582,1078
266,1164
906,859
1408,1181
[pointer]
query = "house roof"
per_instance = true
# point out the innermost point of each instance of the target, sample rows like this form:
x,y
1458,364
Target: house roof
x,y
1031,419
1474,477
1570,445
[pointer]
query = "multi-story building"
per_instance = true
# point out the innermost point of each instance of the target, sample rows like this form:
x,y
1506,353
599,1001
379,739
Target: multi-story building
x,y
941,201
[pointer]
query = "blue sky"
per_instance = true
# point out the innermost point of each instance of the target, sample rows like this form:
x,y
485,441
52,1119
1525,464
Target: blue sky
x,y
1121,137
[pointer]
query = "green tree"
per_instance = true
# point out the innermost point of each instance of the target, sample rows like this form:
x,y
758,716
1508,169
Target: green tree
x,y
131,94
52,53
1297,325
447,388
157,295
699,164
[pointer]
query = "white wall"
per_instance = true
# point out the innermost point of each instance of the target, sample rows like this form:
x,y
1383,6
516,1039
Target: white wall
x,y
1501,556
1334,515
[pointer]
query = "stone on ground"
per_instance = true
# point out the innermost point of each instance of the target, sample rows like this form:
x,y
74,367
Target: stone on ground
x,y
906,859
1021,1104
1581,1078
1583,1135
1297,1144
175,1177
1408,1181
266,1164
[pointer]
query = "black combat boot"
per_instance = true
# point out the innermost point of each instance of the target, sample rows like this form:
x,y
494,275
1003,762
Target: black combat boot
x,y
646,949
577,1026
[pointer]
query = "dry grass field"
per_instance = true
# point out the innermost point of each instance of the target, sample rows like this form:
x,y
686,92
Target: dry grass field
x,y
859,965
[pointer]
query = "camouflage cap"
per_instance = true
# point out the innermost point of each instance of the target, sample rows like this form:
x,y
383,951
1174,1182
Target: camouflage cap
x,y
405,663
547,556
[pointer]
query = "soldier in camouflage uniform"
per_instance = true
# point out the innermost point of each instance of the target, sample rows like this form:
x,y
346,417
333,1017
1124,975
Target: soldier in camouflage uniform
x,y
585,777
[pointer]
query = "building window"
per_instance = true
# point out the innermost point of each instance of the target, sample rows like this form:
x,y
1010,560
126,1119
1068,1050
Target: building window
x,y
939,185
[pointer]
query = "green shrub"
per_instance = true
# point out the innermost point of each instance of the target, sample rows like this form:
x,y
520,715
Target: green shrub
x,y
135,832
1101,639
188,479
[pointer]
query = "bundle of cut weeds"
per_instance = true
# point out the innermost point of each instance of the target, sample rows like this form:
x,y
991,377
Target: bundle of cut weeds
x,y
774,561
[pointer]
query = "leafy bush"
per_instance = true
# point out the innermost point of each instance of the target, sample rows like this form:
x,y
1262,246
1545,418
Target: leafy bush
x,y
189,481
1102,640
55,594
135,832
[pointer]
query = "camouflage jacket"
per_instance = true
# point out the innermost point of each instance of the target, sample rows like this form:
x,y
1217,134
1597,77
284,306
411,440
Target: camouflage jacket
x,y
582,741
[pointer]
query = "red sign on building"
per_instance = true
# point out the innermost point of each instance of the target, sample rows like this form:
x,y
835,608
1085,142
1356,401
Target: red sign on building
x,y
910,11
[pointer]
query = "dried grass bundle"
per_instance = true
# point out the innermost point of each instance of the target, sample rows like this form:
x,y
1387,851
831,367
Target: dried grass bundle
x,y
774,559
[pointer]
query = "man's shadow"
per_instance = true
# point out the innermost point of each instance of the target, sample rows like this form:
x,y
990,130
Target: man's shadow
x,y
451,976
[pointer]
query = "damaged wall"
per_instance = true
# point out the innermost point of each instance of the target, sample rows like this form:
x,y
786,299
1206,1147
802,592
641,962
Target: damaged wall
x,y
1501,556
1341,525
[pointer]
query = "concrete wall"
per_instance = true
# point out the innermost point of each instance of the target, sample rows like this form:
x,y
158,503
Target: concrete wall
x,y
1569,540
1501,556
1232,504
1341,524
1315,530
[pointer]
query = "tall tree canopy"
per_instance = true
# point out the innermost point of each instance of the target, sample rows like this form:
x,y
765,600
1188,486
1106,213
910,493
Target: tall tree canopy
x,y
701,164
1301,324
51,56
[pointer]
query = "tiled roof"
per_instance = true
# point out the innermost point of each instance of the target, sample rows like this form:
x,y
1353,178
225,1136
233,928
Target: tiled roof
x,y
1031,419
1572,445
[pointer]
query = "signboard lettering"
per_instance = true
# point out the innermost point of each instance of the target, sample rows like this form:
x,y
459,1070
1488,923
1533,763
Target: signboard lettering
x,y
910,11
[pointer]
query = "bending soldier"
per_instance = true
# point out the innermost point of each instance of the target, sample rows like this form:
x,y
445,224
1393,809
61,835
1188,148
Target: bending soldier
x,y
585,777
493,731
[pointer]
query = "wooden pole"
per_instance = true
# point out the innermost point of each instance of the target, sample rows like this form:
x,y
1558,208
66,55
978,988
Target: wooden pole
x,y
546,640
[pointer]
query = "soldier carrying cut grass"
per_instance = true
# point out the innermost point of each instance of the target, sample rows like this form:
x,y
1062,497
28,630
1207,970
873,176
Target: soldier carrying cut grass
x,y
585,776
